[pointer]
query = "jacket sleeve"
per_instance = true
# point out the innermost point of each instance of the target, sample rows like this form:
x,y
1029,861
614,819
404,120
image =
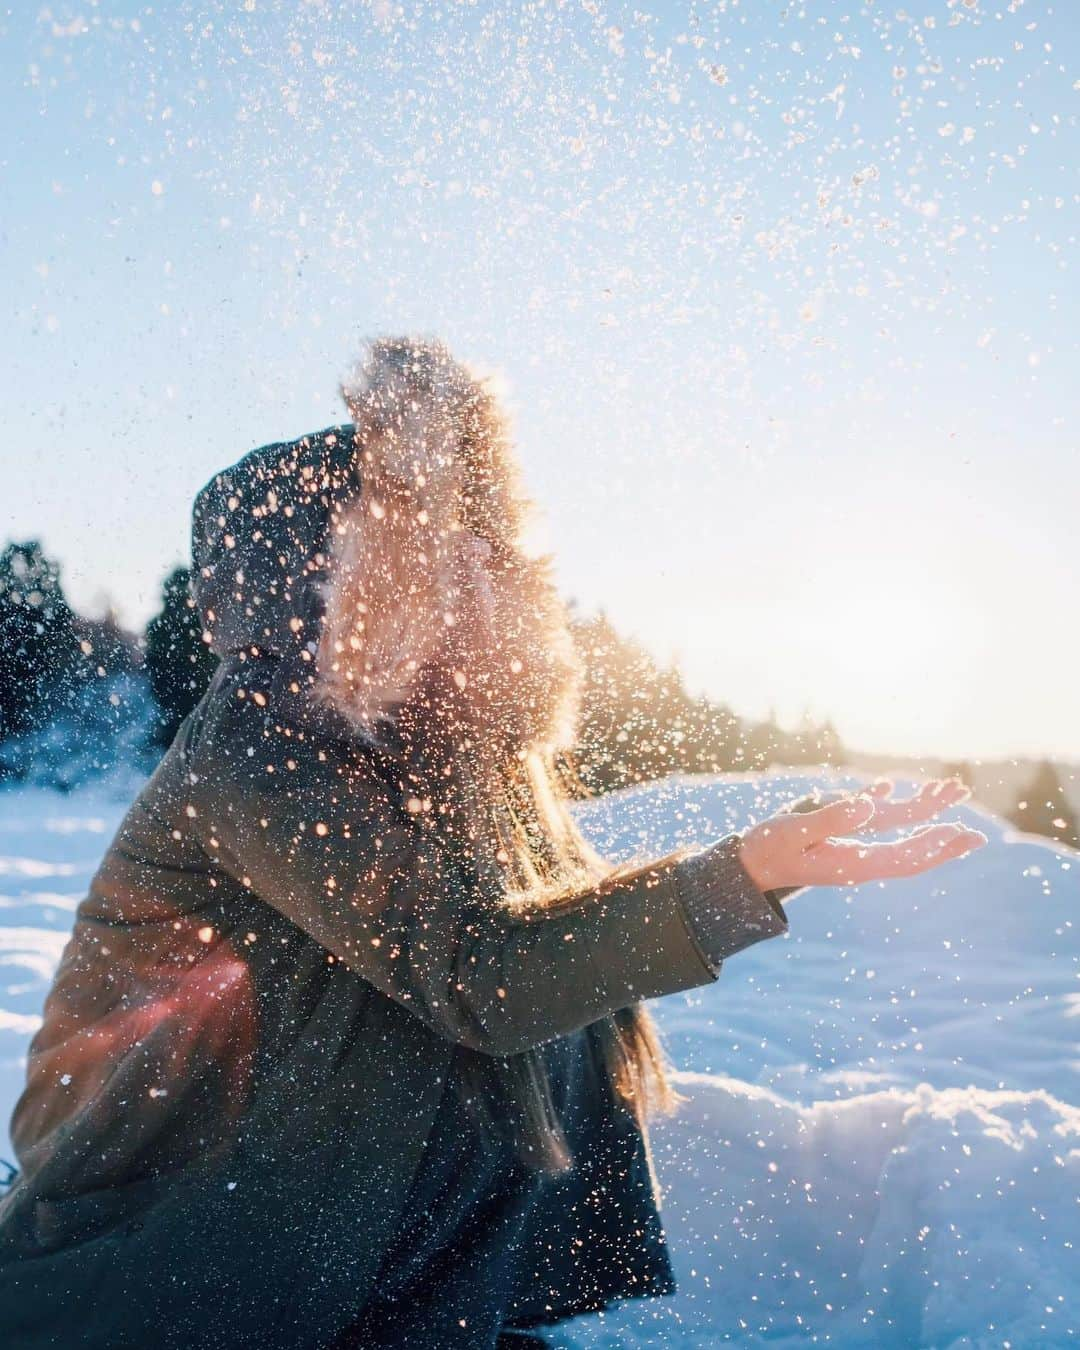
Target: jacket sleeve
x,y
308,823
726,909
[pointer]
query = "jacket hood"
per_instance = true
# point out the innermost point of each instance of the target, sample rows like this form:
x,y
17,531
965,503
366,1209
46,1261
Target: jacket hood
x,y
413,583
259,542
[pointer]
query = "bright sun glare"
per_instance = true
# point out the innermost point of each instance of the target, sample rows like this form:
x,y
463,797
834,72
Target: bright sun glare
x,y
895,643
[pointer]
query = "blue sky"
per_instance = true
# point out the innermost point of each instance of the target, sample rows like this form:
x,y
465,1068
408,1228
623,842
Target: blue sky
x,y
781,294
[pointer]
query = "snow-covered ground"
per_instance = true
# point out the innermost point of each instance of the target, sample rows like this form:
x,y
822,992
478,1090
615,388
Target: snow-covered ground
x,y
881,1146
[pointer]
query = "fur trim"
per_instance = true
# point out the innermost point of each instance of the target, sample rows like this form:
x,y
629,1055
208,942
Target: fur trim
x,y
427,585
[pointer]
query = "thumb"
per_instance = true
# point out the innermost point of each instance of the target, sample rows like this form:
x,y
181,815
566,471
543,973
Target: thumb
x,y
838,818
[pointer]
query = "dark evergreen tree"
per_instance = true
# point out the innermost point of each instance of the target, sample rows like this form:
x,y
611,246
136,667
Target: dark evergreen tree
x,y
107,647
1042,808
39,648
638,722
959,768
830,748
716,740
178,662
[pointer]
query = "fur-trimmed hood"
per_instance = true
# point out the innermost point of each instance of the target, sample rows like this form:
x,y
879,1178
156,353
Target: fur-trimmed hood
x,y
384,553
259,536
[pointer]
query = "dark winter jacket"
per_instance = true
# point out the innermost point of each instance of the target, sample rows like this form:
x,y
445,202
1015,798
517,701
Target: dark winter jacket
x,y
244,1047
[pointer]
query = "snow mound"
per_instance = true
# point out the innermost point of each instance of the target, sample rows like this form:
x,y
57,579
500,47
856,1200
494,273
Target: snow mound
x,y
901,1218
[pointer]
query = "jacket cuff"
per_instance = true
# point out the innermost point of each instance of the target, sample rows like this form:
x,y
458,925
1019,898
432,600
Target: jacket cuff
x,y
785,892
724,907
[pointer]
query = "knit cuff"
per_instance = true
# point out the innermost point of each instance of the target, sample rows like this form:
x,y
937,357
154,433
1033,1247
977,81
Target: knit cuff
x,y
725,909
784,892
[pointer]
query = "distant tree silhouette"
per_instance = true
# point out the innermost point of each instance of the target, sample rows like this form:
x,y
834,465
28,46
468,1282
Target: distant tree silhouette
x,y
39,646
761,744
638,721
959,768
827,747
1042,808
813,743
718,743
72,699
178,662
107,647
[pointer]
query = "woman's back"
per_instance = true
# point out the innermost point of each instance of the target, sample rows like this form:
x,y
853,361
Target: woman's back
x,y
208,1096
230,1093
352,878
242,1055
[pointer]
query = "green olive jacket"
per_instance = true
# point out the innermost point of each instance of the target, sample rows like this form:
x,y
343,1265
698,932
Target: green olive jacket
x,y
243,1048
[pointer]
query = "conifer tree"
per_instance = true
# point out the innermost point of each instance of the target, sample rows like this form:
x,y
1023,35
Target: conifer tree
x,y
178,662
39,647
1042,807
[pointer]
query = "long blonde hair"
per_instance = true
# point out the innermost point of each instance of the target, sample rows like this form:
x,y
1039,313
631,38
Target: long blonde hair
x,y
436,619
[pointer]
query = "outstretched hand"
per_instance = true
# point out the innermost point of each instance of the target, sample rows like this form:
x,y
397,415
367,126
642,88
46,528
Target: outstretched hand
x,y
932,797
809,847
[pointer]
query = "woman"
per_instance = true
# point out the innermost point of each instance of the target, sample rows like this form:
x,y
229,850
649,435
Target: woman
x,y
348,1046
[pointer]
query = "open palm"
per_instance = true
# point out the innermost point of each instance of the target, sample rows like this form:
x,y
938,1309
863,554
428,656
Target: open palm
x,y
929,800
806,845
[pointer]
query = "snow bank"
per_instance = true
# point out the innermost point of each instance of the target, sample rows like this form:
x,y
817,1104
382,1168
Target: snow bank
x,y
98,727
890,1219
50,845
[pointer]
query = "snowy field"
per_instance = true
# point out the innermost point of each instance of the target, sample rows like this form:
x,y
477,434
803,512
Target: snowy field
x,y
881,1146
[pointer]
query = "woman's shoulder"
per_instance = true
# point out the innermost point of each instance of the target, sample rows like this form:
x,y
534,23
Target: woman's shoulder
x,y
304,459
261,728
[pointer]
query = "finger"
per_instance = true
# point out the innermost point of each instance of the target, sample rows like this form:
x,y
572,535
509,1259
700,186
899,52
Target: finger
x,y
811,801
924,857
890,813
929,796
928,801
925,803
840,817
909,857
950,792
850,862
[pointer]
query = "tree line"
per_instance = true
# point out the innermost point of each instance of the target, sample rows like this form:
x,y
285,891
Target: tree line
x,y
79,695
